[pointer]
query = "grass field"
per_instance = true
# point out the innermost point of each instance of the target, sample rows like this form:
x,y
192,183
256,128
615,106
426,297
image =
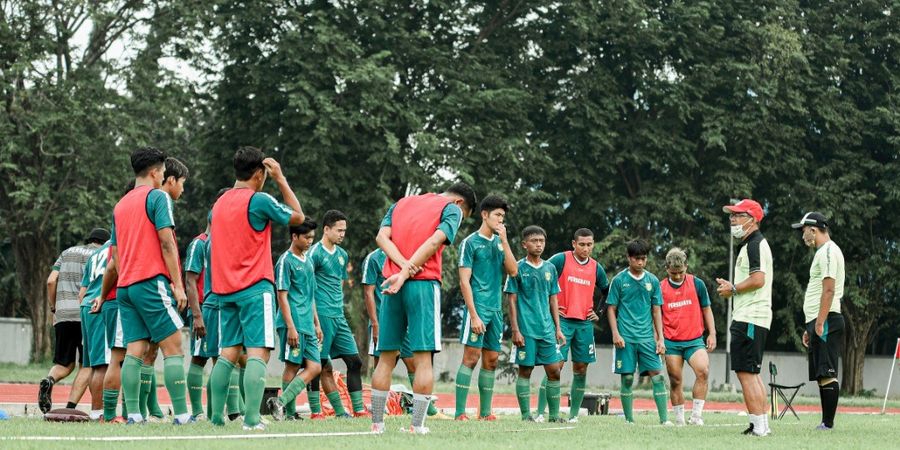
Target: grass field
x,y
721,431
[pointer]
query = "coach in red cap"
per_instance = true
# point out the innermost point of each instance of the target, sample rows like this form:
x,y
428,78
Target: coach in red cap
x,y
752,291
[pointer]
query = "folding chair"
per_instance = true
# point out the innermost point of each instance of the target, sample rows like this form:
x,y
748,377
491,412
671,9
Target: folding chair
x,y
781,390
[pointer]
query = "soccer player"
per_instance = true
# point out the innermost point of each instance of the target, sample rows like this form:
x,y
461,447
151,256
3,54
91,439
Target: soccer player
x,y
582,282
413,234
484,257
686,312
94,350
244,278
372,278
330,261
175,175
144,264
824,332
534,318
297,324
195,282
63,286
634,305
752,315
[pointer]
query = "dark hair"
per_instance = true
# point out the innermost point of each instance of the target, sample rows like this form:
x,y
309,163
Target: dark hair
x,y
492,202
466,192
583,232
175,168
247,160
332,216
638,247
531,230
305,227
222,192
146,158
130,186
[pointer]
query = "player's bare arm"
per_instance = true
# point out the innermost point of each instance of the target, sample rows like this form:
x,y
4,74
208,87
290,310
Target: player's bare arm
x,y
293,337
509,259
658,330
383,239
190,280
315,314
422,254
554,312
465,288
290,199
710,328
755,281
369,295
617,340
52,281
170,258
517,337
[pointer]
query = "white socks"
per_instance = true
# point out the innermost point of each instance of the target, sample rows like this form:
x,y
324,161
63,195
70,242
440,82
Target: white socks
x,y
697,410
679,414
760,424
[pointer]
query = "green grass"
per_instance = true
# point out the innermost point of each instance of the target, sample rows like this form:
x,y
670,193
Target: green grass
x,y
721,431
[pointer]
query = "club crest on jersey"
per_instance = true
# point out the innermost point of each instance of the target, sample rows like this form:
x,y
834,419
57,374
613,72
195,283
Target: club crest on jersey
x,y
473,337
341,260
522,354
295,352
500,247
547,276
618,364
648,286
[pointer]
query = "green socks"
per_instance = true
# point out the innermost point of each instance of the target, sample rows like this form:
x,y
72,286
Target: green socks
x,y
195,388
335,399
289,394
146,376
315,402
553,398
661,397
131,385
110,401
542,397
627,397
523,393
152,400
357,400
173,372
463,380
485,392
233,400
576,395
254,386
219,379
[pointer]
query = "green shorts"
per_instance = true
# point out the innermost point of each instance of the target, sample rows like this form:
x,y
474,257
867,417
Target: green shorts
x,y
94,351
684,349
412,315
493,330
307,350
115,337
248,320
538,352
643,355
207,346
337,338
579,338
405,352
148,310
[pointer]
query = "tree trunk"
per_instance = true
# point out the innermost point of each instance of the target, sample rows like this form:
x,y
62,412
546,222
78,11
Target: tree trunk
x,y
860,330
34,255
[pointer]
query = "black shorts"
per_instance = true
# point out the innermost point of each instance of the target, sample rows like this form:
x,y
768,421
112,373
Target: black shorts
x,y
824,351
747,344
68,343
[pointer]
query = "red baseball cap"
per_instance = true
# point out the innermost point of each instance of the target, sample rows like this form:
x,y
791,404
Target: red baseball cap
x,y
746,206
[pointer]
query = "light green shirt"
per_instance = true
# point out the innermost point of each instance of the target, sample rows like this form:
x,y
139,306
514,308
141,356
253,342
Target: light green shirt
x,y
533,287
754,306
294,275
485,257
331,271
828,263
634,300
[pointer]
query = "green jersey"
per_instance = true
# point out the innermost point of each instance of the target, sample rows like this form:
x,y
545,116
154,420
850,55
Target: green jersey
x,y
92,277
372,275
754,306
828,263
485,257
331,271
295,275
533,287
634,299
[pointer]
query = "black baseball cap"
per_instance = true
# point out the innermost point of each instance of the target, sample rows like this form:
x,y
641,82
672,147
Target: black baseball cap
x,y
814,219
100,235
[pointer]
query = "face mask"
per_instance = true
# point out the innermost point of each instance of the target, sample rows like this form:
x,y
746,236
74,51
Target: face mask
x,y
738,231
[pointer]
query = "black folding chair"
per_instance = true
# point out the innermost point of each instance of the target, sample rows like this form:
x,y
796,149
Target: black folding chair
x,y
782,391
